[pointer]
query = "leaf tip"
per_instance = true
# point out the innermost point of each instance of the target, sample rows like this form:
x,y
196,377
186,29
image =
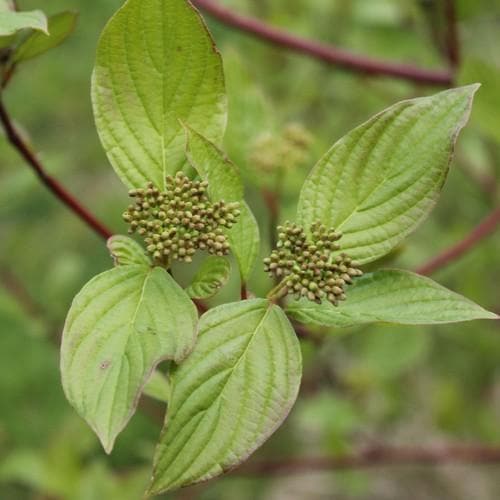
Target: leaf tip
x,y
491,315
155,488
106,439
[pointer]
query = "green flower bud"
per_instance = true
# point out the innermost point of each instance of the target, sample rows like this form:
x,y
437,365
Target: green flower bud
x,y
308,266
177,222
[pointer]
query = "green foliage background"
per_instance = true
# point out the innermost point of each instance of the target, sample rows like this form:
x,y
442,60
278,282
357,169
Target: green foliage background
x,y
407,385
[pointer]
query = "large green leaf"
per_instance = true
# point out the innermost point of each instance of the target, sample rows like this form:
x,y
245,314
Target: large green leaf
x,y
126,251
224,183
120,326
60,26
210,277
380,181
391,296
11,21
156,66
230,395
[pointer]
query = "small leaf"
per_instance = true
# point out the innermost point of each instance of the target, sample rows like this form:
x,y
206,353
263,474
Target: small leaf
x,y
230,395
211,276
380,181
60,26
126,251
11,21
157,387
391,296
156,66
224,183
120,326
244,238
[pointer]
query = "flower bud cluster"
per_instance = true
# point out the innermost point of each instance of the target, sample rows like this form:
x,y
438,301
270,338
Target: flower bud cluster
x,y
181,220
309,268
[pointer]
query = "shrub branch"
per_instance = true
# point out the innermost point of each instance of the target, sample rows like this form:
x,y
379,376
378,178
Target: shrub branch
x,y
52,184
377,456
484,229
323,52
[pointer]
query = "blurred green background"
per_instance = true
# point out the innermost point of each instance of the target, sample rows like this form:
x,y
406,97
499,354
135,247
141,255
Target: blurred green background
x,y
377,384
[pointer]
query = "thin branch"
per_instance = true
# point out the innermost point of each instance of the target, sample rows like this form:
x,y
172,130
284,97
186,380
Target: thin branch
x,y
59,191
20,293
323,52
452,39
479,233
377,456
271,199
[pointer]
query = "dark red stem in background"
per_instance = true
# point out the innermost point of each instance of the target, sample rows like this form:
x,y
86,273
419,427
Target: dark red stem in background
x,y
323,52
71,202
377,456
452,39
480,232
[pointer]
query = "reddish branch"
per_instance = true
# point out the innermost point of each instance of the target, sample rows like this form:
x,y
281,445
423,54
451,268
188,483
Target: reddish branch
x,y
271,199
323,52
452,40
29,156
20,293
376,457
479,233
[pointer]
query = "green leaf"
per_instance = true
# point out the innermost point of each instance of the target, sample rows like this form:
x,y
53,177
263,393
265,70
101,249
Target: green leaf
x,y
391,296
224,183
380,181
244,238
230,395
11,21
157,387
126,251
60,26
211,276
120,326
156,66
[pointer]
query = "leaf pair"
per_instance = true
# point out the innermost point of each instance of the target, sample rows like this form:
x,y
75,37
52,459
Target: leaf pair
x,y
243,374
158,80
44,33
376,185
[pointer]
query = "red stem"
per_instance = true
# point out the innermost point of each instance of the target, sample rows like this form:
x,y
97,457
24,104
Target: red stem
x,y
20,293
479,233
377,456
72,203
452,39
324,52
